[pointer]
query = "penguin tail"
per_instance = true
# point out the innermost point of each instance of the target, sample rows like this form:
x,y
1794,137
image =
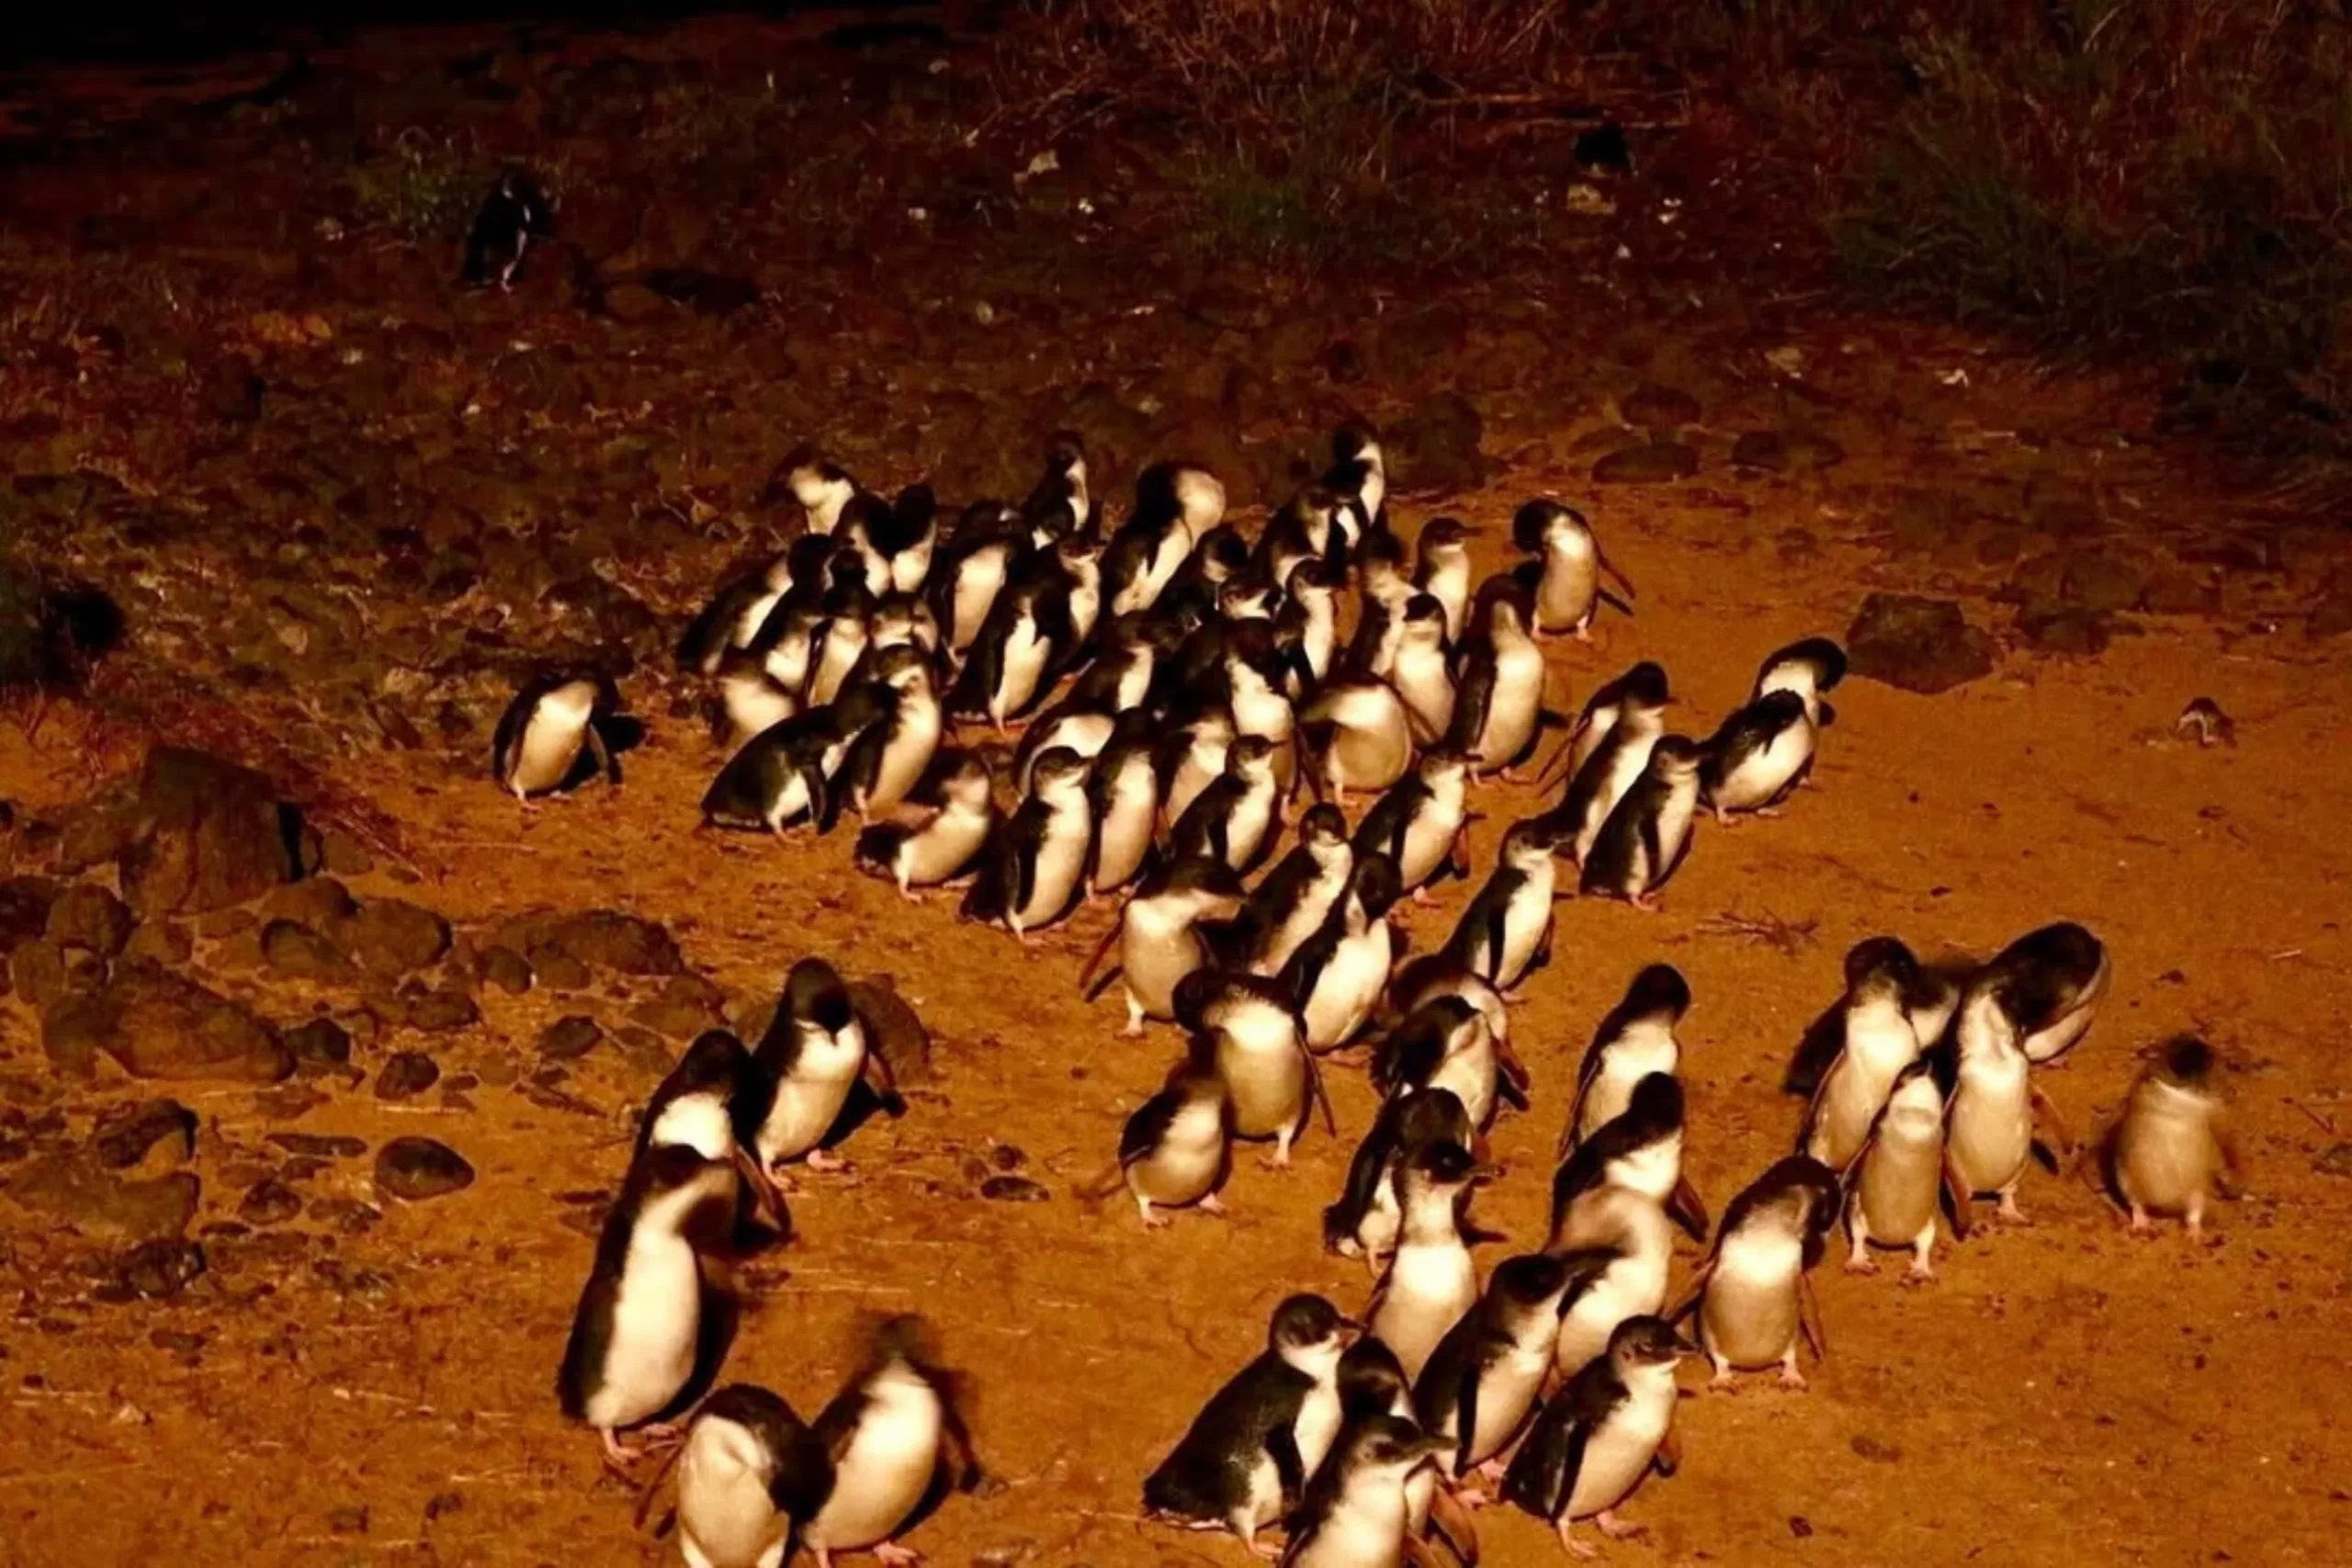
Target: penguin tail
x,y
1104,1183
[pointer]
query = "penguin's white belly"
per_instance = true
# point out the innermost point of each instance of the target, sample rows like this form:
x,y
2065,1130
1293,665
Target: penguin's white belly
x,y
2164,1160
1761,777
1025,663
1421,679
1245,830
907,755
944,847
697,1120
1618,1452
1850,1101
1513,705
1429,838
1470,1077
753,706
1184,1169
1265,1504
1371,757
1348,989
1302,921
1155,955
1748,1316
1127,832
755,614
910,567
1365,1529
1627,1063
549,748
1199,767
657,1321
1673,832
843,649
882,1474
1269,1085
1568,590
2057,1037
1376,1231
1430,1285
1316,1425
787,662
1901,1180
1506,1394
1625,766
1174,546
726,1519
976,590
804,1110
1061,861
1992,1126
1420,1492
1654,1171
1525,921
1633,1286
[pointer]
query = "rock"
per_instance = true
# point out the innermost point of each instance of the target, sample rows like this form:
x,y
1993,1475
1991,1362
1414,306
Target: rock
x,y
91,918
1344,363
269,1203
2103,581
2066,629
634,302
559,971
1917,643
1655,408
440,1011
507,969
25,903
1006,1554
160,1025
299,953
1871,1449
2177,590
76,1192
1436,446
2336,1161
1008,1157
318,902
161,942
73,1032
597,939
2332,616
391,936
1660,462
1012,1190
892,1029
125,1133
570,1038
419,1168
318,1145
158,1271
206,834
345,855
230,391
38,973
1765,449
319,1046
407,1075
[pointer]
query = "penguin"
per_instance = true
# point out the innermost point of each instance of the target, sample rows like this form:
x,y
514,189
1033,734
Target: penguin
x,y
750,1471
1757,756
1364,1222
1636,724
1894,1183
1441,570
1873,1041
1635,1040
1357,1512
1445,1044
1026,630
949,843
1440,975
1429,1281
1753,1296
1643,691
1505,934
1359,478
814,1052
1566,575
784,774
648,1317
894,539
1192,758
1254,695
1498,697
905,620
1059,505
1236,818
734,615
1159,937
515,213
1260,1046
1244,1461
882,767
1384,590
1220,557
1601,1436
1301,531
750,700
1421,671
1481,1383
1078,562
1290,903
1808,669
1421,822
2171,1152
848,613
1176,504
820,486
1082,726
786,643
969,575
2055,980
1123,793
1648,831
1122,675
1338,974
1373,1383
2204,722
1176,1150
1354,734
698,1103
543,734
1640,1150
1635,1232
1035,873
1307,627
893,1434
1990,1113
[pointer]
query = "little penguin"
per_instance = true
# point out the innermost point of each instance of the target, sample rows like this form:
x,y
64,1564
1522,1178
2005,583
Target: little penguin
x,y
886,761
1192,757
1354,734
1290,903
1482,1382
751,1470
1244,1462
1429,1281
1122,793
1756,757
1753,1294
1338,974
1894,1183
818,485
2054,979
1568,572
1601,1436
1628,726
750,700
1498,695
1035,873
893,1433
542,736
814,1052
1422,672
1441,570
894,539
1307,627
1869,1040
1059,505
1301,531
1026,632
1236,818
1445,1044
702,1103
783,776
1373,1383
1421,821
515,213
1635,1040
650,1320
1255,695
1640,1150
1260,1046
735,613
1505,934
1357,1512
1176,1150
1808,669
2171,1153
1359,476
947,844
1159,937
1364,1222
1648,831
1990,1113
968,575
848,612
1633,1230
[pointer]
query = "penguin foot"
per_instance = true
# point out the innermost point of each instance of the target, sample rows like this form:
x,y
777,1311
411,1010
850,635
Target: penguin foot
x,y
1155,1219
619,1457
1575,1548
1725,1379
1421,896
2008,1212
1269,1551
1493,1470
821,1160
1860,1263
1277,1161
1645,902
1615,1529
1921,1272
1471,1497
2140,1225
1793,1380
1213,1204
892,1555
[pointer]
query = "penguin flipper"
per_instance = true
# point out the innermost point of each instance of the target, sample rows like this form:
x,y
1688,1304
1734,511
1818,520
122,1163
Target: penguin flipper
x,y
1290,1469
1956,1189
883,1082
1118,929
1684,1207
1465,1412
1342,1219
2067,1150
1315,1091
1694,1292
1454,1522
606,763
1147,1127
1809,1319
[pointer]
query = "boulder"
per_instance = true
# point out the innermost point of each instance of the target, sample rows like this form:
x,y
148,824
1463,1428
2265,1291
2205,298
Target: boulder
x,y
205,834
89,918
1918,644
160,1025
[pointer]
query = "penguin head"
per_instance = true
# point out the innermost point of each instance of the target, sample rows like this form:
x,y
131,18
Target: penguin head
x,y
1424,620
1880,967
1441,766
1659,991
1430,1116
1375,884
1246,597
2186,1062
1646,1341
1250,759
1676,758
1355,442
1529,842
1643,686
1057,771
1221,555
902,667
1372,1380
814,995
1816,664
964,781
1204,882
1079,556
1537,1280
1309,1333
1323,828
679,1183
1065,456
1195,995
1310,582
814,481
715,1060
1441,542
1532,525
1447,1165
1655,1105
1390,1444
1916,1101
1505,606
1381,559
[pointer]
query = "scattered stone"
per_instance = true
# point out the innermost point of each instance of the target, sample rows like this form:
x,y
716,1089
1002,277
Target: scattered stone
x,y
159,1269
25,903
91,918
1008,1157
125,1135
319,902
290,1103
391,936
1654,408
1871,1449
559,971
643,1049
2336,1161
38,972
161,942
345,855
206,834
892,1029
1436,446
269,1203
2175,590
507,969
348,1215
605,939
570,1038
162,1025
1012,1190
2332,616
419,1168
1659,462
75,1032
78,1192
299,952
442,1012
407,1075
634,303
1917,643
1006,1554
2103,581
318,1145
2067,629
1344,363
1776,451
320,1046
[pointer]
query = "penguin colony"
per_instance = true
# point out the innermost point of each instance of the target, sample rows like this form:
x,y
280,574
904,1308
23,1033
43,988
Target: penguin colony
x,y
1178,686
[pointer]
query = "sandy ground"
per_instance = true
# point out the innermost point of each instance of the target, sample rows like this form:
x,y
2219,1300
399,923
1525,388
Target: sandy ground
x,y
2062,1394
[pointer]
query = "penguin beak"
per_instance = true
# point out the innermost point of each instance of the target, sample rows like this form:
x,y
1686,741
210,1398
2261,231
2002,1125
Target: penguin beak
x,y
1486,1169
1685,1347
